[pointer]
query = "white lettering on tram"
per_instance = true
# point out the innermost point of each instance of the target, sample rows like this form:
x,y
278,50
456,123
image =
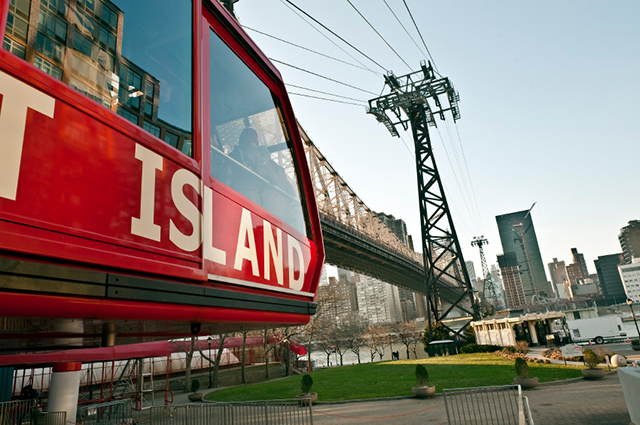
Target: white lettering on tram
x,y
17,97
202,226
145,226
190,242
244,251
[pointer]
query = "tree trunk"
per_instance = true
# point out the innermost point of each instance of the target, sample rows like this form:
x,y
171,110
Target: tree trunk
x,y
216,364
244,345
407,352
187,368
266,354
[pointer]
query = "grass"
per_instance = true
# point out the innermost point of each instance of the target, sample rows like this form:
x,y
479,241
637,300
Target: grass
x,y
390,379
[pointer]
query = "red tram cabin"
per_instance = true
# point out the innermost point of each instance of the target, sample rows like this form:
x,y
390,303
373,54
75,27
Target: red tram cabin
x,y
152,178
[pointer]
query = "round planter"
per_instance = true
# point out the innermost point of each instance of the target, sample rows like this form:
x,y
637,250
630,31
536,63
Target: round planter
x,y
593,374
313,397
424,391
194,397
526,383
635,347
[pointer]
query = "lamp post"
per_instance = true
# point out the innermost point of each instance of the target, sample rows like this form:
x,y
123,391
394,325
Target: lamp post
x,y
630,303
210,382
391,345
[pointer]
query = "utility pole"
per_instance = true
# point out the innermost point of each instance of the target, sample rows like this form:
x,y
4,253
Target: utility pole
x,y
415,99
489,284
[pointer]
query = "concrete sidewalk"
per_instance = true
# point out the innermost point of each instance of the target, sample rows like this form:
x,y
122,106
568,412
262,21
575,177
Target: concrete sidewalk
x,y
578,402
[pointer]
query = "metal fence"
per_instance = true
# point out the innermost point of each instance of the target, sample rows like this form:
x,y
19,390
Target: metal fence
x,y
499,405
269,412
25,412
112,413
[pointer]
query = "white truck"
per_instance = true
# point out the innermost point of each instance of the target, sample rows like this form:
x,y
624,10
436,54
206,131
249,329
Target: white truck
x,y
596,329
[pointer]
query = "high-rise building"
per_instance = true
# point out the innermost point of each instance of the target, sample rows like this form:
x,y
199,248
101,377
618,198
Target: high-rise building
x,y
378,301
471,269
558,277
630,275
397,226
578,259
629,238
510,271
406,296
609,278
518,237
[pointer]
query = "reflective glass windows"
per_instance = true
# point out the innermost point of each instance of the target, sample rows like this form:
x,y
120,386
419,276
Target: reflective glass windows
x,y
251,149
134,57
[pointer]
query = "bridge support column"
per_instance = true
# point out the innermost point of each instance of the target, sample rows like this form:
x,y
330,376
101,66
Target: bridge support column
x,y
64,388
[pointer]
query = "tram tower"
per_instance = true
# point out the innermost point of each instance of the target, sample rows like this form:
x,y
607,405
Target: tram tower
x,y
415,99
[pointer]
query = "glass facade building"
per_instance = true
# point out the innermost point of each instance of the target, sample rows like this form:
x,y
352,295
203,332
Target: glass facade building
x,y
518,237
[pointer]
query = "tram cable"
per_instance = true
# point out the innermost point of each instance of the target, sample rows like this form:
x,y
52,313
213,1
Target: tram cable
x,y
321,76
336,35
305,48
324,92
455,175
329,39
405,29
379,35
324,98
473,192
421,38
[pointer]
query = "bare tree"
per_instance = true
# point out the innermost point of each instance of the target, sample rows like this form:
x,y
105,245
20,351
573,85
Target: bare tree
x,y
187,369
410,334
216,364
373,340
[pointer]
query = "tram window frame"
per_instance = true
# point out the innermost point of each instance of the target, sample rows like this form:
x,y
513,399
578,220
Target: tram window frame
x,y
273,83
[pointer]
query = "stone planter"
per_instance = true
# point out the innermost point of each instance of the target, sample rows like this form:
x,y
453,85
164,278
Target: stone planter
x,y
593,374
526,383
313,397
424,391
194,397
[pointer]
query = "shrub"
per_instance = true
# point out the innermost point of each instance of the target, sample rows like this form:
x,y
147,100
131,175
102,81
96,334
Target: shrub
x,y
422,376
509,350
635,342
195,385
521,347
522,368
306,384
591,358
478,348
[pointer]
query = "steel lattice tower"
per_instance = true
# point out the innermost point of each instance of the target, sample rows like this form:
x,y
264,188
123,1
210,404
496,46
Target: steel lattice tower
x,y
488,280
414,100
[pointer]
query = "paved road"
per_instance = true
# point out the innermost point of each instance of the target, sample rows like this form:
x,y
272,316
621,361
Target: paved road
x,y
576,403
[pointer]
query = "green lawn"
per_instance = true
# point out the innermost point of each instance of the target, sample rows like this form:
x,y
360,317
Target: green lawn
x,y
389,379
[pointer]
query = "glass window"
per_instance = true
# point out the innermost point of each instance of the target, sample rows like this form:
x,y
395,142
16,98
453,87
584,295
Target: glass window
x,y
172,139
48,67
251,149
153,129
149,57
14,47
128,115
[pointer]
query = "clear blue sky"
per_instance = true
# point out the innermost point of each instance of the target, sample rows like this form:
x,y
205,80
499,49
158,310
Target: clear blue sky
x,y
549,95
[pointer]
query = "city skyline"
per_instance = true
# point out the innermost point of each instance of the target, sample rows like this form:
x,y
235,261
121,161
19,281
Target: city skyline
x,y
529,126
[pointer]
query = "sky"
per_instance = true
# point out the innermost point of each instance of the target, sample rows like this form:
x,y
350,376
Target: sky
x,y
549,95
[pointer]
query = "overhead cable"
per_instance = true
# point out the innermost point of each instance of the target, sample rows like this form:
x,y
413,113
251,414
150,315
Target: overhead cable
x,y
321,76
379,35
323,98
422,52
473,192
305,48
329,39
455,175
336,35
420,34
324,92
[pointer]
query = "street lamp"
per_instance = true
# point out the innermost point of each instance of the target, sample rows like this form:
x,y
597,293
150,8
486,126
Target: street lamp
x,y
630,302
210,382
391,345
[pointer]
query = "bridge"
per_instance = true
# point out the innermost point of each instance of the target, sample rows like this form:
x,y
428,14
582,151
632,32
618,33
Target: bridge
x,y
356,239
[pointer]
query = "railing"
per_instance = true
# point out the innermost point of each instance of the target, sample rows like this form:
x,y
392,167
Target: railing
x,y
271,412
498,405
111,413
25,412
